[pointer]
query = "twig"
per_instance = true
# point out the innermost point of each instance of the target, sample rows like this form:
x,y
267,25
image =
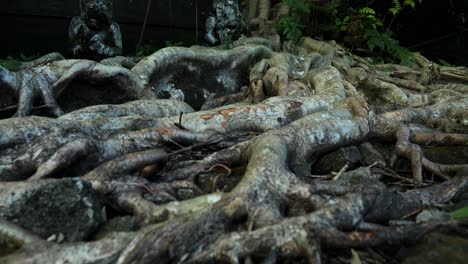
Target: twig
x,y
345,167
228,170
179,125
12,107
412,213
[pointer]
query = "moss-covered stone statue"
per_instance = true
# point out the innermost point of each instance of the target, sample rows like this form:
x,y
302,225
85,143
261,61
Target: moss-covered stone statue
x,y
93,34
224,24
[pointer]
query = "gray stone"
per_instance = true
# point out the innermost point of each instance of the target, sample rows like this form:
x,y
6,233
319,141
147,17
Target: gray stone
x,y
52,207
336,160
432,215
370,155
437,248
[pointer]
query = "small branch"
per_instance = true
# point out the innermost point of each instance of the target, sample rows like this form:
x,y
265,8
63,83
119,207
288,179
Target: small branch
x,y
345,167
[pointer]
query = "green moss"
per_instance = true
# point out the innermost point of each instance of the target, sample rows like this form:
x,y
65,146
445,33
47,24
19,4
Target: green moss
x,y
10,64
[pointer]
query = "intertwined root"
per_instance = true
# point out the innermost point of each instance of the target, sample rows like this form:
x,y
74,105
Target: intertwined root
x,y
219,185
409,141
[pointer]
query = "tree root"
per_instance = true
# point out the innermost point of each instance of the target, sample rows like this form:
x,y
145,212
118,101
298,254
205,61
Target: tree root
x,y
161,161
413,152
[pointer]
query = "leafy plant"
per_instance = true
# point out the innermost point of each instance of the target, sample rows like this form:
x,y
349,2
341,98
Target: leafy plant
x,y
147,49
10,64
460,213
342,24
291,26
363,29
14,64
151,47
384,44
298,6
398,6
367,15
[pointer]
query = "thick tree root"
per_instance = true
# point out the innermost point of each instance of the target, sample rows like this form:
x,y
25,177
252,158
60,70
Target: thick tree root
x,y
232,183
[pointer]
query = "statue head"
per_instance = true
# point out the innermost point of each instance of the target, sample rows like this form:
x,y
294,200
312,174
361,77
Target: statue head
x,y
96,13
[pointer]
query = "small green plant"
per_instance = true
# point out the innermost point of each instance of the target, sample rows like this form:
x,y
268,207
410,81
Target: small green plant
x,y
367,15
146,49
398,6
10,64
14,64
151,47
363,29
386,46
342,24
460,213
291,26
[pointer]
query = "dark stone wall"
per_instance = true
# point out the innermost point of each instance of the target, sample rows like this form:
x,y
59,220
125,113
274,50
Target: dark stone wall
x,y
37,27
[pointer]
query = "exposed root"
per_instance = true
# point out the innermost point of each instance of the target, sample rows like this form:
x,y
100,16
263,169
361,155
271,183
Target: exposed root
x,y
413,152
232,183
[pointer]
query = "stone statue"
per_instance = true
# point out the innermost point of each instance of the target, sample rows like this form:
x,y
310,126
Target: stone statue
x,y
93,34
224,25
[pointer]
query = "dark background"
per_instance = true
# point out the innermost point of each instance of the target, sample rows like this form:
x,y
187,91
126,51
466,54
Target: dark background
x,y
436,28
41,26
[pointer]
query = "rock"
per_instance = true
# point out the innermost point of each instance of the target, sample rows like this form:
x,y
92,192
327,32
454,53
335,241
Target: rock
x,y
336,160
437,248
67,207
116,225
371,155
432,215
356,176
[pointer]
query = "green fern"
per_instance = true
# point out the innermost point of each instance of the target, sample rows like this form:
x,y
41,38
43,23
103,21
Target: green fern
x,y
290,26
367,15
460,213
10,64
388,47
367,11
14,64
409,3
298,7
396,8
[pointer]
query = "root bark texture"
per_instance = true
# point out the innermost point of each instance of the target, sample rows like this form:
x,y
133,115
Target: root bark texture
x,y
234,182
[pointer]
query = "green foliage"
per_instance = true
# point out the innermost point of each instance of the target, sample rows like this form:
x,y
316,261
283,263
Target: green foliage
x,y
409,3
342,24
367,15
291,26
363,29
460,213
10,64
385,45
299,7
151,47
146,49
398,6
14,64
